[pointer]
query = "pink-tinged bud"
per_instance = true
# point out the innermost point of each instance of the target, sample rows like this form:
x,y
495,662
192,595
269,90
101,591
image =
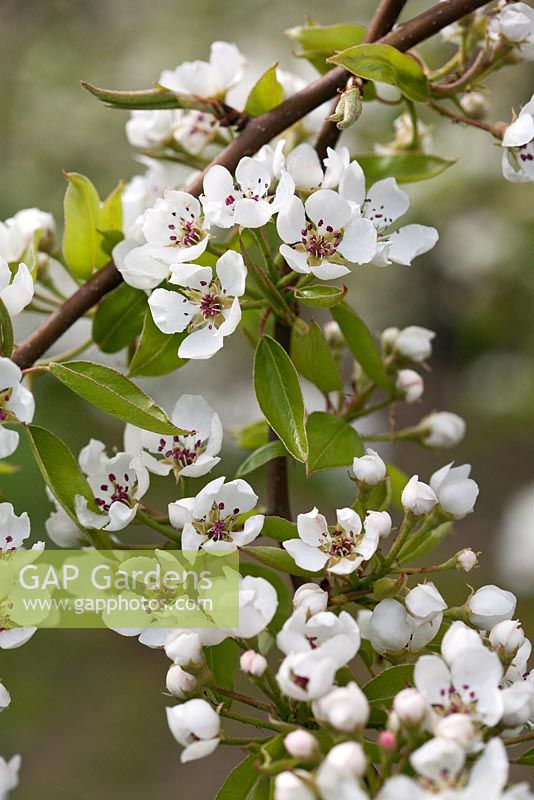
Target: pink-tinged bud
x,y
253,663
467,559
387,741
411,707
410,384
180,683
301,745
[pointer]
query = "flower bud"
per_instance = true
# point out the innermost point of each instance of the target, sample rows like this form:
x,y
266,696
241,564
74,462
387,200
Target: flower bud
x,y
289,786
179,682
489,606
369,469
345,708
348,758
379,521
410,384
301,745
424,602
411,708
253,663
413,343
455,490
442,429
475,105
387,741
417,497
363,618
458,728
5,697
517,701
507,637
311,597
467,559
184,648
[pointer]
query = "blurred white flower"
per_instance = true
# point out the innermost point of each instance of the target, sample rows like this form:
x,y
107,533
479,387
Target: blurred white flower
x,y
150,128
515,22
442,429
490,605
16,404
515,543
16,291
196,726
253,663
311,598
326,634
410,384
345,708
306,676
207,79
518,146
412,343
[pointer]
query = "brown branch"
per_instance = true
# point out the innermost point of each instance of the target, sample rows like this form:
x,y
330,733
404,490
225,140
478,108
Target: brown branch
x,y
257,132
382,22
460,118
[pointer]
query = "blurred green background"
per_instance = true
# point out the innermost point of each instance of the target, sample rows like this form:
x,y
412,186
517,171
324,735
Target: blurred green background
x,y
87,711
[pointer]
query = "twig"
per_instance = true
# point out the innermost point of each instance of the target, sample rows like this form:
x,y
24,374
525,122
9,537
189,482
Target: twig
x,y
475,123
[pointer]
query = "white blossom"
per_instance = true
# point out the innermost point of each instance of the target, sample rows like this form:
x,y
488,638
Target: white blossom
x,y
379,521
442,429
140,193
417,497
207,307
410,384
413,343
306,676
301,745
211,519
184,648
150,128
191,454
467,559
345,708
195,130
289,786
515,22
253,663
16,404
180,683
196,726
258,602
455,490
207,79
17,232
518,147
507,637
369,469
311,598
339,774
490,605
518,701
5,697
326,634
14,530
392,629
404,137
424,602
458,728
60,527
308,173
411,707
340,549
16,291
9,775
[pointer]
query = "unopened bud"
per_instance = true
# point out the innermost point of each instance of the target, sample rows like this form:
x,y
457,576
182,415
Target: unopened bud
x,y
253,663
180,683
467,559
507,637
411,707
387,741
311,597
410,384
348,109
458,728
348,758
301,745
369,469
475,105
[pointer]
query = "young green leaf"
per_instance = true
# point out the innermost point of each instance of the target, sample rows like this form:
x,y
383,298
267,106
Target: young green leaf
x,y
157,353
277,559
241,781
405,167
81,238
384,63
313,358
383,688
320,296
320,41
279,396
332,442
266,93
114,393
279,529
260,457
253,435
361,344
6,332
119,318
527,759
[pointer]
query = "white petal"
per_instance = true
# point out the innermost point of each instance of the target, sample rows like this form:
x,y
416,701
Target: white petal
x,y
410,241
171,311
291,221
352,184
192,276
329,208
304,167
9,441
304,555
327,271
312,527
296,259
359,241
385,203
201,344
519,132
232,273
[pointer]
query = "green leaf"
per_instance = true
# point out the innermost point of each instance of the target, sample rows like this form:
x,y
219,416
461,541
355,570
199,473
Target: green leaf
x,y
320,41
252,436
383,688
423,542
321,296
150,98
222,662
266,93
405,167
284,609
59,469
361,344
157,353
277,559
381,62
119,318
279,529
527,759
6,332
313,358
332,442
115,394
85,220
279,396
240,782
260,457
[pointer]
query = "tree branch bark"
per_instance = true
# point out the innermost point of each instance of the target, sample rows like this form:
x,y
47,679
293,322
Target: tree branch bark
x,y
258,132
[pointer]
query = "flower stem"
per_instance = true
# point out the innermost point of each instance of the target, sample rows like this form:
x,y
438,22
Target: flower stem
x,y
255,722
243,698
157,526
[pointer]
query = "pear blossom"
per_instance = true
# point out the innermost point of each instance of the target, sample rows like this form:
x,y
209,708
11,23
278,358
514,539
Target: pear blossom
x,y
410,384
150,128
518,146
301,745
417,497
380,521
184,648
258,602
118,484
142,191
437,761
9,775
490,605
459,637
507,637
424,602
339,549
248,201
175,229
369,469
392,629
195,130
458,728
411,707
311,598
325,633
404,137
323,234
180,683
253,663
16,405
518,700
306,676
304,166
196,726
190,454
14,530
16,291
17,232
293,786
442,429
515,22
382,205
413,343
207,79
344,708
211,519
455,490
338,776
347,757
60,528
208,309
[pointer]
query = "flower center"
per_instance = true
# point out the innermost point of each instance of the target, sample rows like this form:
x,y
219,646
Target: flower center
x,y
5,397
210,305
184,231
341,543
320,243
461,700
115,491
216,527
179,451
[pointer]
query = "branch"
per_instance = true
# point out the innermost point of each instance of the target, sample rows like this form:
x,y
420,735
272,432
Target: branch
x,y
257,132
382,22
